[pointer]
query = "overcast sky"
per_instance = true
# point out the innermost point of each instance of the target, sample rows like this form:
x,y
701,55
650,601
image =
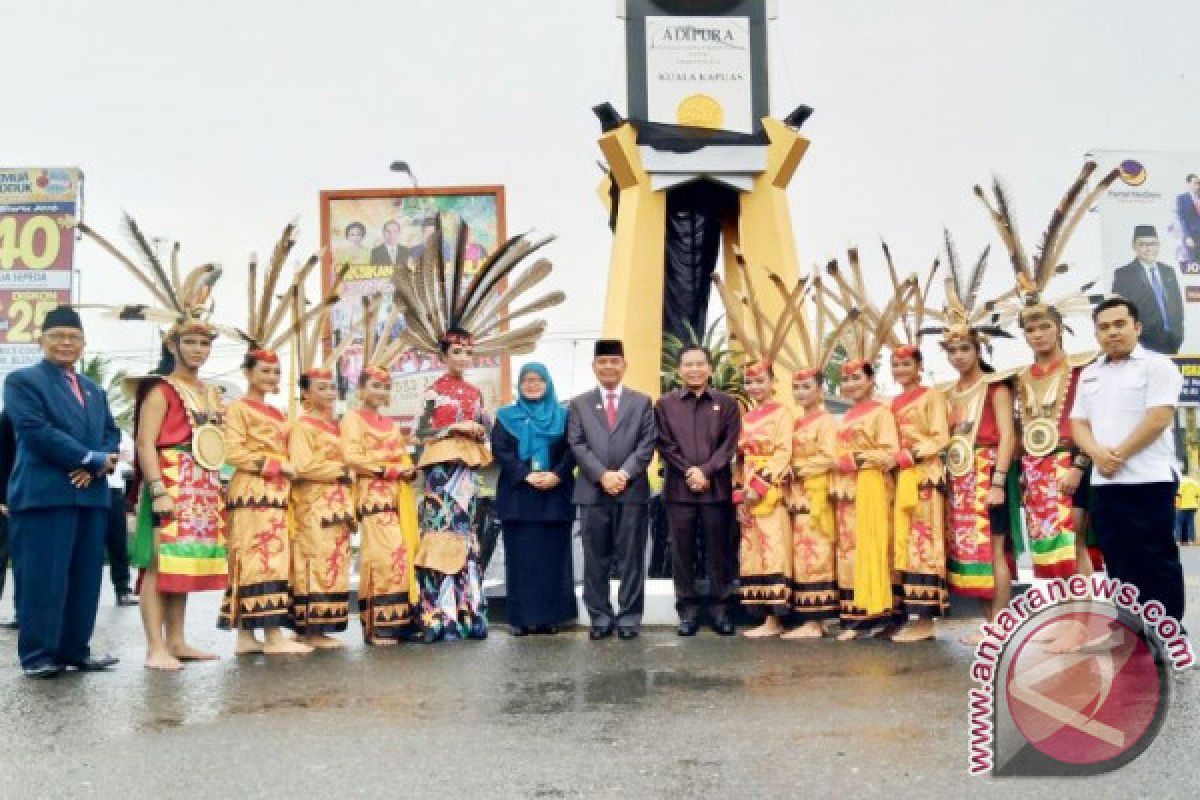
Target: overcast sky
x,y
215,123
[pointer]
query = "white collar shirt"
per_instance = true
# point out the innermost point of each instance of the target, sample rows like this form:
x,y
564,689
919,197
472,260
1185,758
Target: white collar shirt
x,y
1114,396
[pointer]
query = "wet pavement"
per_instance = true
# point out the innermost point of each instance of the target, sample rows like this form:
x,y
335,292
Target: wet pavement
x,y
532,717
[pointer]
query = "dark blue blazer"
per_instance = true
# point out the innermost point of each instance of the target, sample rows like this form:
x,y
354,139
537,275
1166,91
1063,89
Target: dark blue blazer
x,y
516,500
54,436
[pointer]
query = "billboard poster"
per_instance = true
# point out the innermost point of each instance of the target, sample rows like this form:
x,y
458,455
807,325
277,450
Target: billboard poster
x,y
38,208
378,232
1150,248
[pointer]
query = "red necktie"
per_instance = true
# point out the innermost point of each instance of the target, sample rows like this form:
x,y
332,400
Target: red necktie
x,y
610,407
74,381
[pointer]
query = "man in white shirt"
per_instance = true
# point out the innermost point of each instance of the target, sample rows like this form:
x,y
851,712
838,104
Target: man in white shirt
x,y
1121,419
116,539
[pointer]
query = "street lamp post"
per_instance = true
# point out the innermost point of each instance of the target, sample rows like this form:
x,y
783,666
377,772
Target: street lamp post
x,y
402,166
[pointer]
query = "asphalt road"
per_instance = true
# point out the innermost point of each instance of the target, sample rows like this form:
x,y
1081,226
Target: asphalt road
x,y
533,717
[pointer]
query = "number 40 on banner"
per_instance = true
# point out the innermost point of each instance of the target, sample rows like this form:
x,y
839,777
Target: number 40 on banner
x,y
32,241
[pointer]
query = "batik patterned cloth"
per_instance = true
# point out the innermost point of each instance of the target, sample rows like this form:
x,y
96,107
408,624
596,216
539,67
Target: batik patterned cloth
x,y
259,592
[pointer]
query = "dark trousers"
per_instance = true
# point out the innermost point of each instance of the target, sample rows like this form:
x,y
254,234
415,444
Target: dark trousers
x,y
61,556
1134,524
4,551
116,542
614,533
690,523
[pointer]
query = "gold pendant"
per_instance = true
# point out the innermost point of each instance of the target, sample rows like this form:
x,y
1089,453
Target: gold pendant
x,y
959,456
208,446
1040,437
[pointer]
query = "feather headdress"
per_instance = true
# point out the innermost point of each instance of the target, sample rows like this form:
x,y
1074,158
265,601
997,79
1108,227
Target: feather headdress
x,y
963,316
268,311
441,303
875,326
1033,275
788,338
182,303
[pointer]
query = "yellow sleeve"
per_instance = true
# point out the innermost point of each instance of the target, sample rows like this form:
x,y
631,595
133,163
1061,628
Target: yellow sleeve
x,y
821,461
304,453
780,461
936,436
239,453
885,438
353,449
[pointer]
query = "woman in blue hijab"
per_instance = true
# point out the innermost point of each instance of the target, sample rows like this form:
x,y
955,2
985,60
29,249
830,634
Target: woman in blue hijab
x,y
533,502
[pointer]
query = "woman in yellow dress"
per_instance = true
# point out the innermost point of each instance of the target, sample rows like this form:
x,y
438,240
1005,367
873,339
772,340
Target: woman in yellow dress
x,y
377,450
259,596
814,589
764,456
919,519
322,513
863,491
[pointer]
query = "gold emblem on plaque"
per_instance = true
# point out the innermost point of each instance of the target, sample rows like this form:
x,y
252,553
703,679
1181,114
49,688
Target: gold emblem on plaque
x,y
700,111
959,456
1040,437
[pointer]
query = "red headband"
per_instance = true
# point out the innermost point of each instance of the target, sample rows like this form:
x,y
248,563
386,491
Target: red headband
x,y
465,340
378,374
805,374
757,368
319,374
906,351
263,356
851,367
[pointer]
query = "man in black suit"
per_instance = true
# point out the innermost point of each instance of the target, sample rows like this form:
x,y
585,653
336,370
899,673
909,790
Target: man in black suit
x,y
8,454
1153,287
1187,210
610,430
390,252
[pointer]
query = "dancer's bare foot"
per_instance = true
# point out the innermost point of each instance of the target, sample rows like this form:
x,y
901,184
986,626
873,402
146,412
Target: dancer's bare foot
x,y
379,641
247,644
320,641
920,631
771,627
163,661
1102,644
1067,637
185,652
887,632
809,630
848,636
286,647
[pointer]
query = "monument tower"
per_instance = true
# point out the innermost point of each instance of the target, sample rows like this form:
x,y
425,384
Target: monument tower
x,y
697,169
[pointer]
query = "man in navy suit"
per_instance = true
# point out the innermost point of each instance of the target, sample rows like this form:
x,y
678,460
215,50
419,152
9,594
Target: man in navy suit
x,y
58,500
1187,209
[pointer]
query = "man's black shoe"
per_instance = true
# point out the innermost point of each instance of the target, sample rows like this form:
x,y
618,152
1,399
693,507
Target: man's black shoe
x,y
127,599
95,663
724,626
598,632
627,633
44,671
687,627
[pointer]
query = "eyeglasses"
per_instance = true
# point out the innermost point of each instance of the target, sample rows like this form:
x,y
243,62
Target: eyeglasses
x,y
63,338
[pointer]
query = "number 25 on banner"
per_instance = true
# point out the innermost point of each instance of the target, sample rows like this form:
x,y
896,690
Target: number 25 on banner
x,y
21,244
25,317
